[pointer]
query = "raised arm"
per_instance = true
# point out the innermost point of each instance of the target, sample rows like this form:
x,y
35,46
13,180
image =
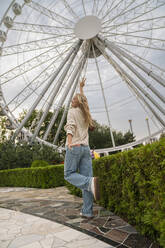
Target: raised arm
x,y
82,83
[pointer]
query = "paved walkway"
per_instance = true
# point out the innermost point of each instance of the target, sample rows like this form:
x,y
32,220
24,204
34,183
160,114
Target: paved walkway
x,y
49,218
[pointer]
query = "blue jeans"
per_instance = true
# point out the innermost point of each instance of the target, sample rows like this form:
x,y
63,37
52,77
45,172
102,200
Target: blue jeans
x,y
79,172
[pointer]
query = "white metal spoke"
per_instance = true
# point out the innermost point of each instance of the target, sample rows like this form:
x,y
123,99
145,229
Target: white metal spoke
x,y
140,41
147,84
140,10
55,91
121,12
141,23
143,60
148,113
121,103
105,102
103,6
32,87
131,81
94,7
51,14
154,47
135,36
97,6
28,65
35,84
111,9
84,7
43,50
83,66
71,82
161,121
69,100
44,29
55,74
138,31
142,79
143,28
70,10
30,46
148,71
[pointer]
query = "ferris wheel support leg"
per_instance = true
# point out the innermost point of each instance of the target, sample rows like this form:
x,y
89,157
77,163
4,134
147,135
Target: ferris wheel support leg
x,y
76,46
55,90
136,83
105,103
109,44
153,89
72,79
129,80
67,107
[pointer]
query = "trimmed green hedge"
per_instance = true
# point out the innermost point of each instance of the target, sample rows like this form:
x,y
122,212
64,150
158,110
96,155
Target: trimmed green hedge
x,y
39,177
39,163
133,187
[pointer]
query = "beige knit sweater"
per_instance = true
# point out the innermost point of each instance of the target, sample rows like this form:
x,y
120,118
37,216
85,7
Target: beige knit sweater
x,y
77,127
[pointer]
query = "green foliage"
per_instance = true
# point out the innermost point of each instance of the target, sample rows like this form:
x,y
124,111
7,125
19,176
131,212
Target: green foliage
x,y
132,185
21,155
162,135
32,122
4,132
39,163
41,177
100,137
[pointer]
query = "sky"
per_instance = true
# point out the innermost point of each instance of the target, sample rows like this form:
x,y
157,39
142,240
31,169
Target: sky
x,y
121,103
4,5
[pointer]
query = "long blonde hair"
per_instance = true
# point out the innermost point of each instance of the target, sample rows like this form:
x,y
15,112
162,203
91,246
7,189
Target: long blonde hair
x,y
83,104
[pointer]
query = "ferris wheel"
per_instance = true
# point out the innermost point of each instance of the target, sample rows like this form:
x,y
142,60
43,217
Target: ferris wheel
x,y
46,46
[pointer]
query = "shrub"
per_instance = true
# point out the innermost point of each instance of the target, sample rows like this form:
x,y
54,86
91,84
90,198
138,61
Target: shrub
x,y
41,177
132,185
39,163
22,155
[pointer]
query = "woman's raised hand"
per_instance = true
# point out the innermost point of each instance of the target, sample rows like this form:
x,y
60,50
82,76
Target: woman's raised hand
x,y
82,83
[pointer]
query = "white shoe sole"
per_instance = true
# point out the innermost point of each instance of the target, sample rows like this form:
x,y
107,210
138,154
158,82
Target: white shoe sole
x,y
96,189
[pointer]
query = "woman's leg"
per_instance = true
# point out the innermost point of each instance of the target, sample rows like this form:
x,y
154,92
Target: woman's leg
x,y
85,168
71,165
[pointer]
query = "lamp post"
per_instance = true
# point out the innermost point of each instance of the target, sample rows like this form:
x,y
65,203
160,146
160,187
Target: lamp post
x,y
148,128
130,122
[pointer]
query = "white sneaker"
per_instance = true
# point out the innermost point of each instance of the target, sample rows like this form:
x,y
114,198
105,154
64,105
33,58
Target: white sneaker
x,y
86,217
95,188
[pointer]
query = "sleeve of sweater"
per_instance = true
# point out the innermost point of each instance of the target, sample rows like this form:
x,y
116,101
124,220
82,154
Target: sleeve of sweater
x,y
71,123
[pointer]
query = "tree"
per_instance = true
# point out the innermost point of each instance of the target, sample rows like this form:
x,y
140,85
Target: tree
x,y
21,155
128,137
162,136
5,133
33,121
101,138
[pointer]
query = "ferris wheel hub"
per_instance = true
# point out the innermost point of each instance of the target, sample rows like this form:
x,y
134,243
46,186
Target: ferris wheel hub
x,y
87,27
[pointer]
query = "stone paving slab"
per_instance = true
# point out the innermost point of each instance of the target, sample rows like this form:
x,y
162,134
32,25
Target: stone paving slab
x,y
56,204
19,230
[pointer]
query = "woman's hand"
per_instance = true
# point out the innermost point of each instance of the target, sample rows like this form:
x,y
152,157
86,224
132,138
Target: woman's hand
x,y
69,146
82,83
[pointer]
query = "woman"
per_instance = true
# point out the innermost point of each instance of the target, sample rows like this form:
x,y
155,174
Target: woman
x,y
78,156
